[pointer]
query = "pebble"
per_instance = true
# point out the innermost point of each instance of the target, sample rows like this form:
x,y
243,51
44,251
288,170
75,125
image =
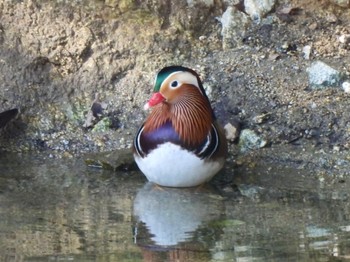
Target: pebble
x,y
233,23
344,39
346,87
257,9
202,38
336,148
313,105
307,52
249,140
342,3
322,75
232,132
331,18
313,26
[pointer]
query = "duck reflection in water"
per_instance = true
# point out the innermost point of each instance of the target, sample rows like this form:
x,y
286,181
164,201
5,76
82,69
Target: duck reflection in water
x,y
170,222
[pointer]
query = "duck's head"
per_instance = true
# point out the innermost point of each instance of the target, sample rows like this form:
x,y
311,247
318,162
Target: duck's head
x,y
171,83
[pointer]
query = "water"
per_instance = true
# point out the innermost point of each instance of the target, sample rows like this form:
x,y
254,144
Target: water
x,y
62,210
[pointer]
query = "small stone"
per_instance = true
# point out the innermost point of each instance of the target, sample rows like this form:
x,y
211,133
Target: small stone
x,y
342,3
307,52
284,45
285,12
118,160
346,87
249,140
344,39
257,9
331,18
81,42
250,191
233,24
313,105
313,26
67,155
336,148
322,75
232,132
273,56
202,38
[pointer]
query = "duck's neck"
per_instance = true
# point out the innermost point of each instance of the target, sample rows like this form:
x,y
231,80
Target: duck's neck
x,y
190,114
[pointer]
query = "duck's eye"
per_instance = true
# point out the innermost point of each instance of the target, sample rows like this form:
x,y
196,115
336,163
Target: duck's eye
x,y
174,84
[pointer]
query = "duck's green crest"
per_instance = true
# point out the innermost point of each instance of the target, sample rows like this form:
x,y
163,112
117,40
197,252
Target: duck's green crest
x,y
164,73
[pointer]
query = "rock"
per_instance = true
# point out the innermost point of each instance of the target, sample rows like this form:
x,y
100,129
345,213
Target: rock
x,y
332,18
249,140
341,3
313,26
307,52
257,9
232,132
233,24
322,75
119,160
346,87
344,39
285,12
250,191
81,42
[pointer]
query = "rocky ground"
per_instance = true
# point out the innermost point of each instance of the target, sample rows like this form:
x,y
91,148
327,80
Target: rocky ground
x,y
57,59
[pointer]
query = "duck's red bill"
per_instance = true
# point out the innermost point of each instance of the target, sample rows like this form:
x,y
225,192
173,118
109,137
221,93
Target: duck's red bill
x,y
154,100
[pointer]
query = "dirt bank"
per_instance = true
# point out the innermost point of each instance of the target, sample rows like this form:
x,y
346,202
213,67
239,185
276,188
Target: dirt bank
x,y
57,58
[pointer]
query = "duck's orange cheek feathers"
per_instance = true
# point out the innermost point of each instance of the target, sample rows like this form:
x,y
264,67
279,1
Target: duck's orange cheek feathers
x,y
154,100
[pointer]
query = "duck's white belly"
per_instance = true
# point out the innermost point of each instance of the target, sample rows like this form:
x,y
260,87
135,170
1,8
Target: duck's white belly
x,y
171,166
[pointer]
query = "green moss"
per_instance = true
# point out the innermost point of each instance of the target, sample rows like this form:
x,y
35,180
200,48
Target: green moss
x,y
76,112
226,223
103,125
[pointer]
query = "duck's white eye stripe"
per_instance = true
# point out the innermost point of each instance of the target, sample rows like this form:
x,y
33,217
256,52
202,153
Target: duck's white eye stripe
x,y
177,79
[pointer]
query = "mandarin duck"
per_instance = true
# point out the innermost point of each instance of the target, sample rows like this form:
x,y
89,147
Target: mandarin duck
x,y
180,144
